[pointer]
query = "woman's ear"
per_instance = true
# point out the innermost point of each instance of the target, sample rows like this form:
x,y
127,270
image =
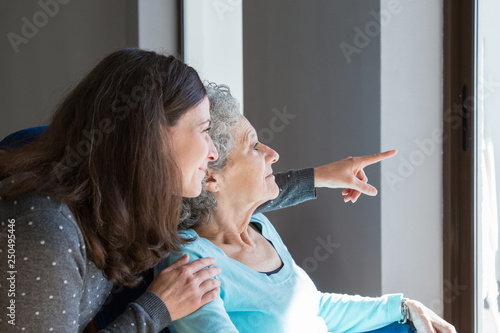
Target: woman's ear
x,y
212,183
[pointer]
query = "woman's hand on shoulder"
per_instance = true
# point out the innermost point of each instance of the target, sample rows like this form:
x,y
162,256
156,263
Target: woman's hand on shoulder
x,y
349,174
425,320
185,287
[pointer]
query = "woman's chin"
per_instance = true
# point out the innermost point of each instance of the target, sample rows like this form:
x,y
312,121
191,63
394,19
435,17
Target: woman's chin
x,y
275,193
192,192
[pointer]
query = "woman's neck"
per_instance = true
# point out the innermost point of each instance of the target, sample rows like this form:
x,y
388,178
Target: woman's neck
x,y
229,225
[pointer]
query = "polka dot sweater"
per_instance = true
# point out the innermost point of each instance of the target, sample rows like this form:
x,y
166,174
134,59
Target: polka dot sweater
x,y
47,283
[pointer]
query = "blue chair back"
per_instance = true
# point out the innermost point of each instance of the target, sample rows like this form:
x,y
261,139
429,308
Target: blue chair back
x,y
22,137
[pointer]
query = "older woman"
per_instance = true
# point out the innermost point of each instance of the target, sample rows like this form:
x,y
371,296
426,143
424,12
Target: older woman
x,y
262,289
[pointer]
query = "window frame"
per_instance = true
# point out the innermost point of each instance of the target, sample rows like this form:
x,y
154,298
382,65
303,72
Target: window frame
x,y
458,165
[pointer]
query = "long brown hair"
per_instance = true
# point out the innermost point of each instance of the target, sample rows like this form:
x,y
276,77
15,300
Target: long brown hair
x,y
107,155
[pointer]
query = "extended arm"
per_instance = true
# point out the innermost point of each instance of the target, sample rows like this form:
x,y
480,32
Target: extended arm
x,y
346,313
297,186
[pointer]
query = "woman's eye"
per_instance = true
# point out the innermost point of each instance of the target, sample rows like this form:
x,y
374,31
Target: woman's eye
x,y
207,129
255,146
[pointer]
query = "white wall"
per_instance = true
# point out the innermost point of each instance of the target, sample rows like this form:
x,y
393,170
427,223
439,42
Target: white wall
x,y
213,41
411,97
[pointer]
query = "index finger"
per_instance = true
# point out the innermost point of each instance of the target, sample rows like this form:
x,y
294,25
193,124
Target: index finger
x,y
200,264
374,158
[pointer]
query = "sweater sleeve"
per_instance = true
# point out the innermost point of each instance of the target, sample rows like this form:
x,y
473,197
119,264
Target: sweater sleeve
x,y
148,313
346,313
296,186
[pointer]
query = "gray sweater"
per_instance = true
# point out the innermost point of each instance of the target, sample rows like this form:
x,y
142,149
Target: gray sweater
x,y
47,282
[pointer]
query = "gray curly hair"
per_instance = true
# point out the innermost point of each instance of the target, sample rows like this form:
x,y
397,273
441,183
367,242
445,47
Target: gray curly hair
x,y
225,115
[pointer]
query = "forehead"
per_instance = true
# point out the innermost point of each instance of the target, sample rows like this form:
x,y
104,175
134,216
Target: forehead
x,y
245,131
242,135
197,114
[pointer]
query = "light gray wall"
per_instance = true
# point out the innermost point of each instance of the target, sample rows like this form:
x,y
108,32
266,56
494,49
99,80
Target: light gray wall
x,y
293,60
412,182
67,44
158,26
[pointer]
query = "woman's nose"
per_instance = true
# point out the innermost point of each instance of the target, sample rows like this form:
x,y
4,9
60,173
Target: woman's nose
x,y
213,155
273,155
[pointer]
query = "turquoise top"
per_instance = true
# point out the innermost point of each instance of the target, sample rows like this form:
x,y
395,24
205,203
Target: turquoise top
x,y
286,301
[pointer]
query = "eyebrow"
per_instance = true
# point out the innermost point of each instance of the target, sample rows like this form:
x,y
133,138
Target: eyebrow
x,y
249,135
203,122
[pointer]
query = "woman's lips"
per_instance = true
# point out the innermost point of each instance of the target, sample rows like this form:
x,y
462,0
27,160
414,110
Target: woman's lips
x,y
270,175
